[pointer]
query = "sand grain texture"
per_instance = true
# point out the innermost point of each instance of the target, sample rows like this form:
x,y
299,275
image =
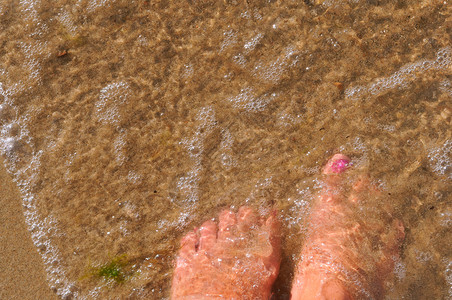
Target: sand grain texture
x,y
22,275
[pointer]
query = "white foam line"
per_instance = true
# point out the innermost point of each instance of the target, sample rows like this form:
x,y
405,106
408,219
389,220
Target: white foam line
x,y
189,184
39,227
402,78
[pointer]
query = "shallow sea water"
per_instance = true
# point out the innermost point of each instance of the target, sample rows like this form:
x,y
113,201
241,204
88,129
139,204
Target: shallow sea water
x,y
127,123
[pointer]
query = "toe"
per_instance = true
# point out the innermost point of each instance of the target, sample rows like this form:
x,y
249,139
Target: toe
x,y
332,191
227,221
208,235
272,224
362,189
246,218
188,245
360,185
337,164
273,227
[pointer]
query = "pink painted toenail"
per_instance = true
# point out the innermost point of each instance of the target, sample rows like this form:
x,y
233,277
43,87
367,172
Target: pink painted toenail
x,y
340,165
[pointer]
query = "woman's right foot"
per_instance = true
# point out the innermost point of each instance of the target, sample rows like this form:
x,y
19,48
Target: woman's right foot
x,y
347,255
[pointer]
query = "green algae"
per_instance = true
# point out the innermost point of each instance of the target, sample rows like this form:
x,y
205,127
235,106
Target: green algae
x,y
117,270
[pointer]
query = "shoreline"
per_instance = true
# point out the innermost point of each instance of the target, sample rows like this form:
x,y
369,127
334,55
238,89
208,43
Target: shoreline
x,y
19,280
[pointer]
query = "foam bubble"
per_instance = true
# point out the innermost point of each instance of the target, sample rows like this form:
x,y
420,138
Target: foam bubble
x,y
229,40
23,161
445,219
40,234
288,120
119,146
9,145
446,87
385,127
206,117
441,160
399,268
194,147
299,210
29,9
195,144
310,171
423,257
226,153
247,100
245,14
402,78
240,60
67,21
188,185
94,5
134,177
34,53
111,98
273,71
251,44
12,129
187,71
448,276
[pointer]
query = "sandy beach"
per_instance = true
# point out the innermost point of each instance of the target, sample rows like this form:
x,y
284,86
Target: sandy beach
x,y
23,275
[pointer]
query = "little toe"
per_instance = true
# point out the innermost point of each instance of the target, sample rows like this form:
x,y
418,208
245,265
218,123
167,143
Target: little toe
x,y
208,235
272,224
246,218
273,227
226,224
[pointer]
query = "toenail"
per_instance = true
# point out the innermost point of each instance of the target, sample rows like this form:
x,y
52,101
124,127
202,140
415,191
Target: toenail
x,y
340,165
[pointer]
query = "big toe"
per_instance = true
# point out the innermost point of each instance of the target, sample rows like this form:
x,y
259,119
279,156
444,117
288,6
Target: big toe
x,y
337,164
208,235
188,245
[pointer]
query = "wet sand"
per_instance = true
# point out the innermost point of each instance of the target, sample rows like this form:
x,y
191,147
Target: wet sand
x,y
23,275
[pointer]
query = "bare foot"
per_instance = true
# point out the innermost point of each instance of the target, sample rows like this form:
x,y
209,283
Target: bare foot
x,y
348,254
238,260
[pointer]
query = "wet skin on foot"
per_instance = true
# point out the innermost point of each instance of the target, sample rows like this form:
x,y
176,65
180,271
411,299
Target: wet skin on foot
x,y
339,259
237,259
343,257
